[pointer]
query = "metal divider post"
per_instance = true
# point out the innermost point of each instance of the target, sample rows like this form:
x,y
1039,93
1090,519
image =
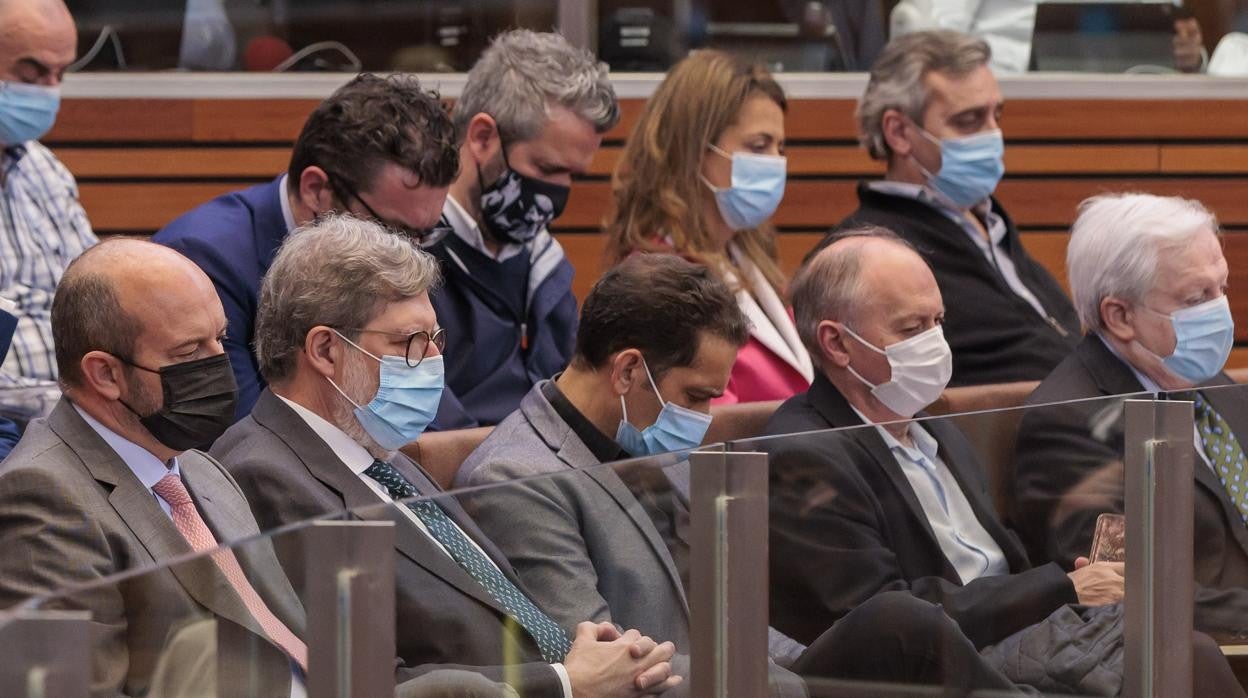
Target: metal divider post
x,y
1160,569
728,580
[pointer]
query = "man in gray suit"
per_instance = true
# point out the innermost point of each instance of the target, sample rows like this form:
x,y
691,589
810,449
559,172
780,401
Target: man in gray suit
x,y
656,343
109,483
350,347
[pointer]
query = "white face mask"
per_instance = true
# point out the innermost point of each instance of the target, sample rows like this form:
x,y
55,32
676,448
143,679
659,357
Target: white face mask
x,y
921,368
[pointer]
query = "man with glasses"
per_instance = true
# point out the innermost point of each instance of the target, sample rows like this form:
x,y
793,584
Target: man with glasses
x,y
349,344
378,148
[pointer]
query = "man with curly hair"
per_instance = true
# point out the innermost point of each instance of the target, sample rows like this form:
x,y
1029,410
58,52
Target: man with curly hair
x,y
378,148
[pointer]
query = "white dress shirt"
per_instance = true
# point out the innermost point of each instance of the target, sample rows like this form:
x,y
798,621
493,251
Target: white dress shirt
x,y
467,229
992,248
962,538
358,459
150,470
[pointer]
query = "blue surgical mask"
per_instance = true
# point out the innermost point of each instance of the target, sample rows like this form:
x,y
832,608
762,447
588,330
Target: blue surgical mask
x,y
26,111
1203,337
677,428
756,190
406,401
970,167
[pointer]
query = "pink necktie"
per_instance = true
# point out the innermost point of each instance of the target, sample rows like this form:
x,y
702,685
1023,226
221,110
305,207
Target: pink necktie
x,y
197,533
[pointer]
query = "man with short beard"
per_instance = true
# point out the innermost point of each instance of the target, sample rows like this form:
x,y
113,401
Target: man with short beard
x,y
349,345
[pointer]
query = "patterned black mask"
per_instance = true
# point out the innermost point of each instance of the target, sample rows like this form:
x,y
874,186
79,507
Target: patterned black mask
x,y
515,208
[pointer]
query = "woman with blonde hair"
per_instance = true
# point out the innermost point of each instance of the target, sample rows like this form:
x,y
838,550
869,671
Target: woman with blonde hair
x,y
702,173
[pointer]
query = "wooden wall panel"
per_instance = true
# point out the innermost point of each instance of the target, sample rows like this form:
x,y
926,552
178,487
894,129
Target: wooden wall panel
x,y
140,163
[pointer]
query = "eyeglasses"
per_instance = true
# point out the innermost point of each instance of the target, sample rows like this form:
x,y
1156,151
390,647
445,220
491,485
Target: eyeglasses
x,y
417,342
424,238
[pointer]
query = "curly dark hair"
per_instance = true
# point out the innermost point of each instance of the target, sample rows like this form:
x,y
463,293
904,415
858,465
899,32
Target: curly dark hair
x,y
374,119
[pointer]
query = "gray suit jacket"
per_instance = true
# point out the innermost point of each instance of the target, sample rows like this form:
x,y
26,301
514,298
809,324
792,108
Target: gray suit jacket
x,y
445,619
72,514
581,538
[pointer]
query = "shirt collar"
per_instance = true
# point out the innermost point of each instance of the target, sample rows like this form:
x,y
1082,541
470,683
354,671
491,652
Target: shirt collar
x,y
933,198
146,467
284,196
1147,383
924,443
467,230
604,448
352,454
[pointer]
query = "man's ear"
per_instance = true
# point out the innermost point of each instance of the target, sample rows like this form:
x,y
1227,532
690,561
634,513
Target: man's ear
x,y
103,374
482,138
626,370
1117,317
322,353
896,129
832,338
315,190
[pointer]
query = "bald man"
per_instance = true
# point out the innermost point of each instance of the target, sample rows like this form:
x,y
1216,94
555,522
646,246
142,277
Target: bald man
x,y
890,504
42,226
110,483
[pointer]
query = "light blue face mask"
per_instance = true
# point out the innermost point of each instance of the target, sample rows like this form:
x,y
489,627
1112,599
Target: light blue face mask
x,y
1203,336
970,166
756,190
677,428
26,111
406,401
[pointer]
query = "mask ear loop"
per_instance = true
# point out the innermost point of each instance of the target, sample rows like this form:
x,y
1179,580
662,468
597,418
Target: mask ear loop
x,y
364,351
662,402
868,345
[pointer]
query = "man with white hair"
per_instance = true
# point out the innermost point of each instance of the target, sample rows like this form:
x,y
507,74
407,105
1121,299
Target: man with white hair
x,y
351,350
530,117
932,111
42,224
1149,280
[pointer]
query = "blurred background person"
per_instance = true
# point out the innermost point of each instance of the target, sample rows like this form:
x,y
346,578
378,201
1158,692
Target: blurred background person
x,y
701,175
42,227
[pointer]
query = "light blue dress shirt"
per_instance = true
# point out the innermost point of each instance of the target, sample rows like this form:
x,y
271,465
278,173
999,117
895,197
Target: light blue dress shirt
x,y
967,545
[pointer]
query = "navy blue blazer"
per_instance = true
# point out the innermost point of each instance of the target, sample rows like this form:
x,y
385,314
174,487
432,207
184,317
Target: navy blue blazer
x,y
234,239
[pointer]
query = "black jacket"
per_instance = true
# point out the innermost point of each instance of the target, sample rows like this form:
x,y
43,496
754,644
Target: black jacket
x,y
846,525
1061,445
996,336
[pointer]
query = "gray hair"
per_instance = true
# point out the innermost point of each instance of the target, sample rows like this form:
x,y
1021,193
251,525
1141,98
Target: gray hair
x,y
829,284
897,79
1116,242
338,271
523,73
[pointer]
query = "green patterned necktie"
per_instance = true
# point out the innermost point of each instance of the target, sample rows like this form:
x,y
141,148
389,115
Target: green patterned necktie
x,y
551,639
1223,451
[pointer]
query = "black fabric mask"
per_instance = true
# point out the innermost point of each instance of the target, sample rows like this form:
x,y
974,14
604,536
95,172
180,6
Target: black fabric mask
x,y
515,207
199,401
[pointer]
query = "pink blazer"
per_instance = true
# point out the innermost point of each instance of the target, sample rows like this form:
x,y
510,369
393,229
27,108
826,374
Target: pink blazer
x,y
760,375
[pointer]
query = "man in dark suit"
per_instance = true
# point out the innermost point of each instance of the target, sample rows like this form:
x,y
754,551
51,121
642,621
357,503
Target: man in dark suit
x,y
932,111
379,148
108,484
1149,279
349,343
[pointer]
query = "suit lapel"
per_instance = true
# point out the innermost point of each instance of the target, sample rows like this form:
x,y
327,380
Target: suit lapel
x,y
834,408
138,508
273,414
561,439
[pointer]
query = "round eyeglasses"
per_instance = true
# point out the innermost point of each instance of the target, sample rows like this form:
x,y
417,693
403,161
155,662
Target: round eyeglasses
x,y
417,342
